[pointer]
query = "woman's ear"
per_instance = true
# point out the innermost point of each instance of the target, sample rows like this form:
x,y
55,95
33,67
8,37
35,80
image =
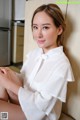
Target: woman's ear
x,y
60,30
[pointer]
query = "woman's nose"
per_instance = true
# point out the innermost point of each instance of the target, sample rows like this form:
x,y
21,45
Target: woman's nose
x,y
39,33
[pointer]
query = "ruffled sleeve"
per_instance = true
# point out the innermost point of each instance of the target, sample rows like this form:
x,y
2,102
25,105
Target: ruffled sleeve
x,y
33,104
22,71
57,83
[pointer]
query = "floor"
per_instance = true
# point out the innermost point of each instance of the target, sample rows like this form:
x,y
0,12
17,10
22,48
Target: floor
x,y
15,68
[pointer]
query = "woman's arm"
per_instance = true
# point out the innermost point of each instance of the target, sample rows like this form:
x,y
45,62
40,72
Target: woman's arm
x,y
9,80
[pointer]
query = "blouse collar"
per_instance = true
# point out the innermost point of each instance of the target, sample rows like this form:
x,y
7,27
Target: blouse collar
x,y
50,53
53,51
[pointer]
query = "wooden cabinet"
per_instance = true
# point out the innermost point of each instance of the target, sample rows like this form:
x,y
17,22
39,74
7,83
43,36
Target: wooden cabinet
x,y
17,43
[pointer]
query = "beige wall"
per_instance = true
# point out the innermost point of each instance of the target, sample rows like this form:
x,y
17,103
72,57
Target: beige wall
x,y
72,44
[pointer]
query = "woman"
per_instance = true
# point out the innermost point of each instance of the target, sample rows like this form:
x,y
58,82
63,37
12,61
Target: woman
x,y
44,75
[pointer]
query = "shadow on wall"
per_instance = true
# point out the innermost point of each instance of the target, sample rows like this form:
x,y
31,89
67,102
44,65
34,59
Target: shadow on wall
x,y
73,86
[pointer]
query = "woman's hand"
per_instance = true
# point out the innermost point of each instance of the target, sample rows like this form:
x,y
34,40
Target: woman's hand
x,y
9,80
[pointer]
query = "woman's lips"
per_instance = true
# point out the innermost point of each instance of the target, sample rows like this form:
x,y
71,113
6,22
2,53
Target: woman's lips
x,y
40,41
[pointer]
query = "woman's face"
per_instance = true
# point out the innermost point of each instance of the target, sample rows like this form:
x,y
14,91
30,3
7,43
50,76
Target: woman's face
x,y
45,33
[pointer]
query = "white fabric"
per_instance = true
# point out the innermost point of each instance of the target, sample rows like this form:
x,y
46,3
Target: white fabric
x,y
45,84
36,68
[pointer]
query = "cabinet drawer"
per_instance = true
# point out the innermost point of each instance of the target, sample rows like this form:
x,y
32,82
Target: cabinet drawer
x,y
20,40
19,53
20,30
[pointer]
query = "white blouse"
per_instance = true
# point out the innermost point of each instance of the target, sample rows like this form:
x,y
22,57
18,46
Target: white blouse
x,y
45,84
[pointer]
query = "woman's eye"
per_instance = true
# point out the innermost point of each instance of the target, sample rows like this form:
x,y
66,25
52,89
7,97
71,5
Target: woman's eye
x,y
35,27
46,27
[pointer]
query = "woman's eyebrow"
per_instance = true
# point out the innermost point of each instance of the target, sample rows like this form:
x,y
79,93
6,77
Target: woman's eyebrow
x,y
46,24
42,24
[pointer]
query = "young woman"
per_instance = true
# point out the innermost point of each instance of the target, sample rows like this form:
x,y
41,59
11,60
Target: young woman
x,y
38,92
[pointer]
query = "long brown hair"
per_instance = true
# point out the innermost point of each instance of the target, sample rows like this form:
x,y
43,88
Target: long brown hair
x,y
55,13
